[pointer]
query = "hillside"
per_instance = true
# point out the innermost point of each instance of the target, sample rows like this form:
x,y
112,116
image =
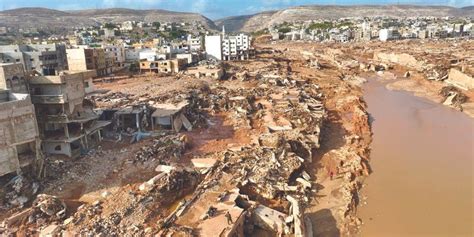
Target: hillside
x,y
43,18
313,12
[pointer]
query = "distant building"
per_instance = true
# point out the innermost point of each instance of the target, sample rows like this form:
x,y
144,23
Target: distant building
x,y
214,47
225,47
163,66
83,59
109,33
388,34
127,26
195,44
44,59
117,53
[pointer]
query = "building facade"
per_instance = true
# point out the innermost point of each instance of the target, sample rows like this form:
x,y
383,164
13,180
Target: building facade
x,y
20,143
67,125
43,59
83,59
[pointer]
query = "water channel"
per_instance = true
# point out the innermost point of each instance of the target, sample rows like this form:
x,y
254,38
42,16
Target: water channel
x,y
422,160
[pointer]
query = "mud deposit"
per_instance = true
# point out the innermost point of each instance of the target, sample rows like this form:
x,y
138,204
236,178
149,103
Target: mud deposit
x,y
422,161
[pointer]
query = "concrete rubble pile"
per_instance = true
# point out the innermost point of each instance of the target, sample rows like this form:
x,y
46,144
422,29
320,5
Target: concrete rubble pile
x,y
18,191
113,219
46,211
273,169
453,97
162,148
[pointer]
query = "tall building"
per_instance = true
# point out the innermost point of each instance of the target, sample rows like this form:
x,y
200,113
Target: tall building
x,y
236,47
213,45
388,34
83,59
43,59
194,43
67,125
20,144
228,47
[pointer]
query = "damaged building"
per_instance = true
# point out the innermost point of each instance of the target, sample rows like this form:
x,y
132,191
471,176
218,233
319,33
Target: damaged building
x,y
20,143
170,117
67,123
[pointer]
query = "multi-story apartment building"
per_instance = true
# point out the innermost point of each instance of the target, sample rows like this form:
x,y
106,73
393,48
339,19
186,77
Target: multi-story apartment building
x,y
20,144
43,59
67,125
83,59
13,78
195,44
389,34
236,47
117,53
225,47
163,66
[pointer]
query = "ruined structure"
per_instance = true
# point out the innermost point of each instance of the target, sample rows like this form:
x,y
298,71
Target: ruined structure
x,y
13,77
67,123
163,66
20,143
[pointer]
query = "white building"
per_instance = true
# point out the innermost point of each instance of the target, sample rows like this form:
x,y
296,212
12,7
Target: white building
x,y
151,55
127,26
225,47
236,47
194,43
213,44
388,34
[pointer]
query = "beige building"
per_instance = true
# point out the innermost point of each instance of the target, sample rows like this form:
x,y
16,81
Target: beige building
x,y
83,59
20,143
205,71
13,78
163,66
67,124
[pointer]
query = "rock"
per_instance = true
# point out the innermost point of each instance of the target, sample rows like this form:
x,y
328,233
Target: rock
x,y
204,163
50,231
105,194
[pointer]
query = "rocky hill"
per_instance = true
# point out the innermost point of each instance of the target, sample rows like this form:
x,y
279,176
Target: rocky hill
x,y
43,18
312,12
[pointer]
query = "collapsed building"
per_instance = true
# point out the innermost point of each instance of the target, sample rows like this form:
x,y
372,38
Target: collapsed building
x,y
67,123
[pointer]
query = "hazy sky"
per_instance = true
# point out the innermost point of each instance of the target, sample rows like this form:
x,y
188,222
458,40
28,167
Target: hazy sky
x,y
213,9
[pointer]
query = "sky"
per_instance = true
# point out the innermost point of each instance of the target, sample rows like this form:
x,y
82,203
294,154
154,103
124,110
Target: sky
x,y
213,9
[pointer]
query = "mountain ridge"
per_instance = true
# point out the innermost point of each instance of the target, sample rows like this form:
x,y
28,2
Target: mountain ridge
x,y
38,17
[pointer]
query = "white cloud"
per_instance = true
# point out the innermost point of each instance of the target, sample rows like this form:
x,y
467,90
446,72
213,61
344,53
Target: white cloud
x,y
130,3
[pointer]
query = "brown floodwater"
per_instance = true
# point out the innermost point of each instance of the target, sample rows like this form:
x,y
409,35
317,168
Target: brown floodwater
x,y
422,160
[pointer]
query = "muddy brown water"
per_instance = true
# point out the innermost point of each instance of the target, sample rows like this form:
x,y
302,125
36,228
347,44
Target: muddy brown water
x,y
422,160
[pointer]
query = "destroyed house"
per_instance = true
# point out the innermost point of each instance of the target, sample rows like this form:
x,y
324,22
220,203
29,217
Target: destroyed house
x,y
67,123
20,143
134,118
170,117
13,78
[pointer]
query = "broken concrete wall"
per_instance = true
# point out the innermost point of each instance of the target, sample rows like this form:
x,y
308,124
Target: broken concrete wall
x,y
403,59
460,80
18,126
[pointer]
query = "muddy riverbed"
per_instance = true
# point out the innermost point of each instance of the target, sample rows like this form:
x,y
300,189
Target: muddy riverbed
x,y
422,160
